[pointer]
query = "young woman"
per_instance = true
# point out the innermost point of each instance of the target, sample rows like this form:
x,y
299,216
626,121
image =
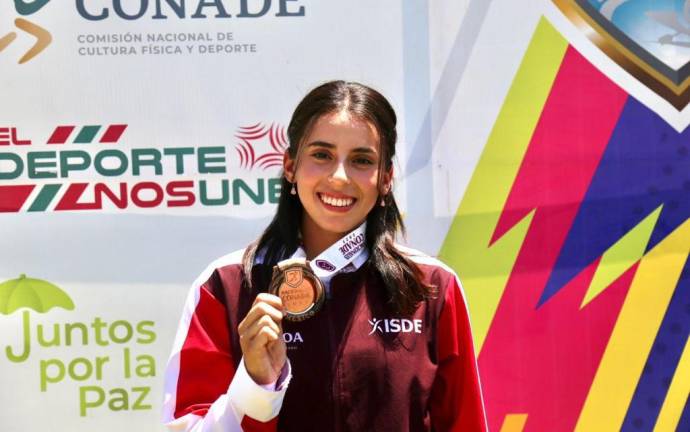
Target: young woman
x,y
386,348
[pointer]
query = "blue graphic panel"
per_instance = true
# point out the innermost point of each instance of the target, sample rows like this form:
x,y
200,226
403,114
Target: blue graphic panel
x,y
646,164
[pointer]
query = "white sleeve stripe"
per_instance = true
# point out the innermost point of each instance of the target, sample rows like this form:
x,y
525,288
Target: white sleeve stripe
x,y
172,371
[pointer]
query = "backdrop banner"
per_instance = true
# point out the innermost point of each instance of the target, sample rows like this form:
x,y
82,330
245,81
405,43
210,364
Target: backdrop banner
x,y
543,154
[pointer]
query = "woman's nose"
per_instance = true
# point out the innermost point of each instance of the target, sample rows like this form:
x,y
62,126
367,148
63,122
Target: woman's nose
x,y
339,173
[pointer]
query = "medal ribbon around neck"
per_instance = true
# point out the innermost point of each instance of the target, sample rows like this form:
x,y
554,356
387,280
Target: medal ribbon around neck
x,y
339,254
299,283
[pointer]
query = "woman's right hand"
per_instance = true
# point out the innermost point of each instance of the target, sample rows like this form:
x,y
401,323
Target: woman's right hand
x,y
261,339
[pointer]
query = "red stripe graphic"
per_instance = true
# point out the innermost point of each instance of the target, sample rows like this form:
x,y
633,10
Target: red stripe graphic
x,y
70,200
113,133
12,198
564,152
60,135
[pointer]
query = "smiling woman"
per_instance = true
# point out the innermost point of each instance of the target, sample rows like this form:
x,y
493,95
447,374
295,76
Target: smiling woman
x,y
324,323
337,180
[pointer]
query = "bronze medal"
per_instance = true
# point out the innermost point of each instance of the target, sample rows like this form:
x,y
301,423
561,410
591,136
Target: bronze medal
x,y
301,292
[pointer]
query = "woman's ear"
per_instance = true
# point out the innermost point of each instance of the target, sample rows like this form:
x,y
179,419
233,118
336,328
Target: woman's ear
x,y
387,181
288,167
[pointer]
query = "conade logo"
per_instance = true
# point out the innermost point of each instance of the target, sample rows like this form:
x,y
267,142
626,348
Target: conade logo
x,y
42,36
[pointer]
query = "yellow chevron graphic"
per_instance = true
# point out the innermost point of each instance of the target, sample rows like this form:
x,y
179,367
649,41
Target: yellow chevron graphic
x,y
483,269
43,38
621,256
632,337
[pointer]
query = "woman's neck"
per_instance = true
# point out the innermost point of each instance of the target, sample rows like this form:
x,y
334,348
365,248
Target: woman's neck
x,y
317,240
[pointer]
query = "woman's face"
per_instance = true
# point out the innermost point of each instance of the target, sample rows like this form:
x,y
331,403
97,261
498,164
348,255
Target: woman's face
x,y
337,174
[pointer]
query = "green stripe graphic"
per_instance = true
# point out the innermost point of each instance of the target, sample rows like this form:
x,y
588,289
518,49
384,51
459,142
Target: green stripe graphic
x,y
86,134
45,196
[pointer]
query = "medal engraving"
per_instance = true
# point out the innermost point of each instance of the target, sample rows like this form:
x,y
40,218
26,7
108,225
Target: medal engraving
x,y
299,289
294,277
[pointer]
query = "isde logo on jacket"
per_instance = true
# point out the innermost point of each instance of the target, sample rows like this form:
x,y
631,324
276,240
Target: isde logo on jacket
x,y
395,325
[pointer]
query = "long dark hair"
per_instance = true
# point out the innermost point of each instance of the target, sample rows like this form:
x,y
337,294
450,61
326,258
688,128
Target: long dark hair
x,y
401,277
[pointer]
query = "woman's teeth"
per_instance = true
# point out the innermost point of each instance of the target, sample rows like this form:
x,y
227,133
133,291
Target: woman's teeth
x,y
337,202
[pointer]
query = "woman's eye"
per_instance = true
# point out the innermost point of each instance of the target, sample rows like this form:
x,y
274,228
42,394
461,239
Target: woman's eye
x,y
320,155
363,161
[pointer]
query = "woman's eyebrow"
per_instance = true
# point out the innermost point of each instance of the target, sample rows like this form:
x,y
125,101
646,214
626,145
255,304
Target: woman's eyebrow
x,y
323,144
367,150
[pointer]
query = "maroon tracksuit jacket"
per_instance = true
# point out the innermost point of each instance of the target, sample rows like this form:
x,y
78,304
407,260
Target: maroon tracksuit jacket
x,y
355,366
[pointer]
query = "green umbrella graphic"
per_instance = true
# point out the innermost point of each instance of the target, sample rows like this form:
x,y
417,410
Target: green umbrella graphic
x,y
30,293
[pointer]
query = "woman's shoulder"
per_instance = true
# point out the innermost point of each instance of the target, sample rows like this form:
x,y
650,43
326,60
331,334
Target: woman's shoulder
x,y
435,271
231,259
425,260
231,262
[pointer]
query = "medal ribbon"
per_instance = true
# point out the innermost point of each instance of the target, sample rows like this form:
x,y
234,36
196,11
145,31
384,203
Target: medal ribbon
x,y
338,255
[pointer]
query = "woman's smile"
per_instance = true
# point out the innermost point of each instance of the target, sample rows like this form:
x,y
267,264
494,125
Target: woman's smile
x,y
336,202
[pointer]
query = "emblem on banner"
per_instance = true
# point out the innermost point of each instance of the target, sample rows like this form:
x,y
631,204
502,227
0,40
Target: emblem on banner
x,y
650,40
249,145
43,37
